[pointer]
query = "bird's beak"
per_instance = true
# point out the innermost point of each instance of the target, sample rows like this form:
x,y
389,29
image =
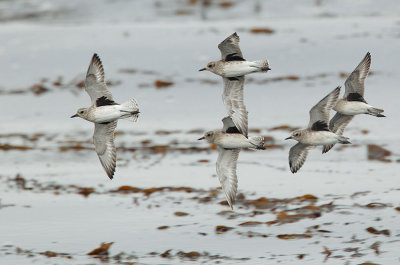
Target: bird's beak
x,y
290,137
268,68
73,116
202,69
201,138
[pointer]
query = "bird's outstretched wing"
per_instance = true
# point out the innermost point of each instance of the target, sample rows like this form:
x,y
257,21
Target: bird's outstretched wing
x,y
230,50
233,100
298,155
226,171
319,114
354,84
337,125
95,85
103,139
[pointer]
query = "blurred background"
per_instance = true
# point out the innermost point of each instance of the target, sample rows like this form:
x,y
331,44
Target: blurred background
x,y
164,205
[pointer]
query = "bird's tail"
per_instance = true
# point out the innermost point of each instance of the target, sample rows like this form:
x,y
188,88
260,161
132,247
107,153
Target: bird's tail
x,y
131,110
375,112
257,141
263,65
343,140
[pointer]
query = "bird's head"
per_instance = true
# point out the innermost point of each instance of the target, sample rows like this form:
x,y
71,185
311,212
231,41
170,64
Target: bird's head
x,y
209,136
296,135
82,113
211,66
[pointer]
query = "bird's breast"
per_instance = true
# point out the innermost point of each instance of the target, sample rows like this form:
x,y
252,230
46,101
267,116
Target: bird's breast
x,y
233,141
319,138
237,68
105,113
351,107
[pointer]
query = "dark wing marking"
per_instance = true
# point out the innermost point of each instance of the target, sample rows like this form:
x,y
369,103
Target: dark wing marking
x,y
355,97
233,57
230,48
319,126
232,130
103,101
229,126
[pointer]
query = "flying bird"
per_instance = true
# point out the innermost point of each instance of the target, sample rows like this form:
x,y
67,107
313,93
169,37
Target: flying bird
x,y
316,133
232,63
229,143
104,113
353,102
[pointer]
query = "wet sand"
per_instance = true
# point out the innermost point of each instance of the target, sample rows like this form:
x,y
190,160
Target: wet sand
x,y
164,206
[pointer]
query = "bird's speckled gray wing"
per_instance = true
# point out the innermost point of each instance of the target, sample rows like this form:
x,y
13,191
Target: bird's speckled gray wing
x,y
339,122
319,114
229,48
298,155
94,82
233,100
103,139
355,82
337,125
226,171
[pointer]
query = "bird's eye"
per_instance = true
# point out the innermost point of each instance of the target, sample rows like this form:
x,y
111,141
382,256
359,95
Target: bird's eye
x,y
210,65
296,134
208,134
81,112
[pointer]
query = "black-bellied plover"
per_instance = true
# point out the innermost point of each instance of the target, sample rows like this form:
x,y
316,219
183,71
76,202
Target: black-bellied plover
x,y
232,63
229,145
353,102
317,132
104,113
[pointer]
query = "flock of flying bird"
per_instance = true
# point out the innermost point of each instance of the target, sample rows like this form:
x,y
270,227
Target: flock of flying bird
x,y
105,112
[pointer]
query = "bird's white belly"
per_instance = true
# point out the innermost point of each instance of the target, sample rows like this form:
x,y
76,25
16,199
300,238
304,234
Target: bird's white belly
x,y
235,69
106,113
320,138
351,107
233,141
